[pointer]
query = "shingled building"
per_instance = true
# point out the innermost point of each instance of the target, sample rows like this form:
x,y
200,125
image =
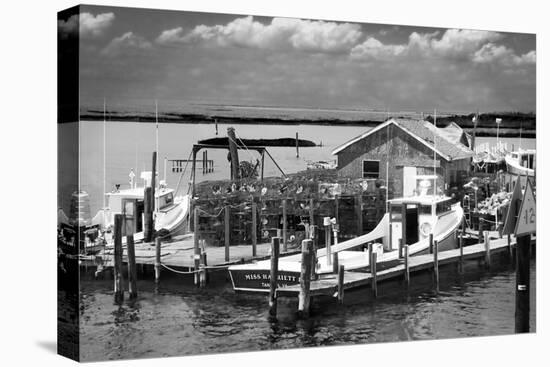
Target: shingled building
x,y
401,153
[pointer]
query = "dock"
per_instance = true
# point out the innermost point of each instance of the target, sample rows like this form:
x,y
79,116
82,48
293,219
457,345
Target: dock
x,y
328,285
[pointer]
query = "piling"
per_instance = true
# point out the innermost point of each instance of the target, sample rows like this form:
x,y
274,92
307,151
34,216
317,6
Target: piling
x,y
157,259
400,251
305,279
118,277
523,255
461,246
337,208
203,274
487,249
436,265
153,184
359,213
374,280
234,154
326,222
227,231
254,229
132,271
284,226
431,242
509,240
341,284
335,263
480,229
196,247
273,276
148,224
407,273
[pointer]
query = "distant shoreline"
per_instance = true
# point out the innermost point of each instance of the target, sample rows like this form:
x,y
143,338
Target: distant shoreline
x,y
511,126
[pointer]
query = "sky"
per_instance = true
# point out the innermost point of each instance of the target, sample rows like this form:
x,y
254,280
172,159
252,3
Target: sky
x,y
132,56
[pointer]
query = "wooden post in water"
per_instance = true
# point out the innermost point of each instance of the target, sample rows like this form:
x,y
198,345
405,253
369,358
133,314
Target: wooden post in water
x,y
431,241
119,278
153,184
284,226
157,259
196,247
523,257
335,263
254,230
273,276
326,223
403,230
204,264
227,231
400,251
132,271
371,251
487,244
509,240
359,213
461,246
148,224
374,279
407,273
436,265
297,146
341,284
337,208
305,279
480,229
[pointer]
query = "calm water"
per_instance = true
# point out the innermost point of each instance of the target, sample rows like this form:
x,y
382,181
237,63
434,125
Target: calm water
x,y
130,145
178,319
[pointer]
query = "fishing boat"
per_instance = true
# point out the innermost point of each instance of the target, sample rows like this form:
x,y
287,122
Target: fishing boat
x,y
411,219
170,211
521,162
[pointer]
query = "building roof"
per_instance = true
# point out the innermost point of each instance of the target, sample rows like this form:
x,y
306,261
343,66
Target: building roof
x,y
447,140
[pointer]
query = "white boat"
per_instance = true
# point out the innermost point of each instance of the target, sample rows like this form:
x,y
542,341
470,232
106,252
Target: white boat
x,y
521,162
412,219
170,212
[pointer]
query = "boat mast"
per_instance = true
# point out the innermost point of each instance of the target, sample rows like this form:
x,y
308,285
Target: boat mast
x,y
435,169
104,155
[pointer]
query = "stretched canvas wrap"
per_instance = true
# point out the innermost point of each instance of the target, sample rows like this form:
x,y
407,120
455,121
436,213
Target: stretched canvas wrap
x,y
230,183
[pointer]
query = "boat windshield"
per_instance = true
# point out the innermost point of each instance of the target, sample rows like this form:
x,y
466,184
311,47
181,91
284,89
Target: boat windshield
x,y
443,207
166,200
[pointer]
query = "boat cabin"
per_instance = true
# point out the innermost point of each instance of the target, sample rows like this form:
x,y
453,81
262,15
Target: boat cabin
x,y
525,158
130,202
413,218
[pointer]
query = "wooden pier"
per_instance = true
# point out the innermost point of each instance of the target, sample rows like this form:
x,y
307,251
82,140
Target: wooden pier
x,y
328,285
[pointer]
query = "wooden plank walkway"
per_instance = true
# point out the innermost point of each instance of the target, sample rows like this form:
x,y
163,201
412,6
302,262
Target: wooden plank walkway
x,y
180,253
328,285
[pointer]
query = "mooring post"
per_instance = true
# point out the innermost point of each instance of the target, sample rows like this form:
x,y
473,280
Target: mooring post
x,y
284,226
431,241
119,278
436,265
196,247
335,263
480,230
148,224
337,208
341,284
305,279
204,265
374,279
132,271
400,251
407,274
371,251
461,246
523,254
254,229
509,239
227,231
273,276
359,213
157,259
327,224
487,243
313,236
233,153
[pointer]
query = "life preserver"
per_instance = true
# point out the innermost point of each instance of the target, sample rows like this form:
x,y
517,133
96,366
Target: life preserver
x,y
425,229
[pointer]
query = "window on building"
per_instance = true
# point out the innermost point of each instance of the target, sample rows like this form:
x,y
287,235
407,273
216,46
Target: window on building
x,y
371,169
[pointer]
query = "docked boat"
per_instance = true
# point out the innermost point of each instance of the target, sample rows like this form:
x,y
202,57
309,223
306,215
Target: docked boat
x,y
412,219
170,212
522,162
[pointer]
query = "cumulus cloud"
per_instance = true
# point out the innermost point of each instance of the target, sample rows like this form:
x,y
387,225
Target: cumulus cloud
x,y
281,33
376,49
86,25
127,42
491,53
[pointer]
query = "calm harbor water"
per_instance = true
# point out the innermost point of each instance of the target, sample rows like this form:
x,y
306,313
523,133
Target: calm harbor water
x,y
129,145
178,319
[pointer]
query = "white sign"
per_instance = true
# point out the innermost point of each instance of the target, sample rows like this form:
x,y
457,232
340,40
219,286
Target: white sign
x,y
526,222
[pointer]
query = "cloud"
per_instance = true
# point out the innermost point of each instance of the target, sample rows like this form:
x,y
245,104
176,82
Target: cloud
x,y
281,33
128,42
376,49
491,53
86,25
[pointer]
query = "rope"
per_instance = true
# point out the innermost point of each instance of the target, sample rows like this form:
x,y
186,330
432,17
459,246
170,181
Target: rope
x,y
218,267
181,176
244,146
